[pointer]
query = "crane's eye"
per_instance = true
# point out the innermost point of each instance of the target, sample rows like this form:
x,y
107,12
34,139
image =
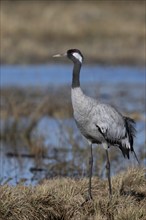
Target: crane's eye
x,y
77,56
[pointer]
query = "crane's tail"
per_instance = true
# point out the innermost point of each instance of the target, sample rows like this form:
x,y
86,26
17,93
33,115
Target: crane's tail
x,y
125,152
131,131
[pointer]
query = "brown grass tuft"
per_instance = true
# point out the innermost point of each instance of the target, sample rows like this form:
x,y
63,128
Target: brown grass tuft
x,y
64,198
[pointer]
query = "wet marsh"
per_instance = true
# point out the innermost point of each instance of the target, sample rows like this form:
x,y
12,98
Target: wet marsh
x,y
39,138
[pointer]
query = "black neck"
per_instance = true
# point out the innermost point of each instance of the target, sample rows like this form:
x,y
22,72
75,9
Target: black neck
x,y
76,75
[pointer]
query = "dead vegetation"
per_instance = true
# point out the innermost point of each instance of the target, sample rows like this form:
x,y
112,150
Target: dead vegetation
x,y
64,198
110,32
35,102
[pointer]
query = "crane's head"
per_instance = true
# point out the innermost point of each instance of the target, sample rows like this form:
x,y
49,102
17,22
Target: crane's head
x,y
73,54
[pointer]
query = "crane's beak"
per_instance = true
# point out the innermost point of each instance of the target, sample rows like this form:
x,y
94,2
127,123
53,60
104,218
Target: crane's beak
x,y
60,55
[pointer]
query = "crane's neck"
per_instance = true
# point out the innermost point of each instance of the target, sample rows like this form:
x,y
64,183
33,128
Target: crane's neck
x,y
76,75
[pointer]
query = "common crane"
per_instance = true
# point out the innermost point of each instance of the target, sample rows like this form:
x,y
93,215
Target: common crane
x,y
99,123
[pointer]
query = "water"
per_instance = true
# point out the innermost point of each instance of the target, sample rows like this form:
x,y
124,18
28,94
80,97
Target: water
x,y
56,139
123,87
44,75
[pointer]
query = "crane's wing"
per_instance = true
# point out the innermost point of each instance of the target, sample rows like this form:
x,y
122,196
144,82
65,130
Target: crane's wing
x,y
115,128
110,123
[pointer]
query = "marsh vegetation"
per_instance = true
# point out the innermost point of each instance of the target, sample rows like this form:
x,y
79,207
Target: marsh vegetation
x,y
64,198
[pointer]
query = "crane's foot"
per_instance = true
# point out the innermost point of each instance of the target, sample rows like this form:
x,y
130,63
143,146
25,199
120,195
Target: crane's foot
x,y
88,198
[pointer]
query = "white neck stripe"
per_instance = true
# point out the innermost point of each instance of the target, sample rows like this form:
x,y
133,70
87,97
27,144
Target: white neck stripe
x,y
77,56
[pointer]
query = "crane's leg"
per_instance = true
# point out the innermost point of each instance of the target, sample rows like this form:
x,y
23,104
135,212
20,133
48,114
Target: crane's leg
x,y
90,171
108,173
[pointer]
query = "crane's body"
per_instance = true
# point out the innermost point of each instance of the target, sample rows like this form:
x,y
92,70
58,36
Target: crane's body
x,y
98,122
101,123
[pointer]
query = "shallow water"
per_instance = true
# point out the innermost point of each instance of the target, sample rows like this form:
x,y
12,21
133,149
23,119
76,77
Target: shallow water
x,y
43,75
56,139
123,87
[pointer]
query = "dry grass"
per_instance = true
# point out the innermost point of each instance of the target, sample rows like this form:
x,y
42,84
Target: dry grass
x,y
64,198
35,102
106,31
